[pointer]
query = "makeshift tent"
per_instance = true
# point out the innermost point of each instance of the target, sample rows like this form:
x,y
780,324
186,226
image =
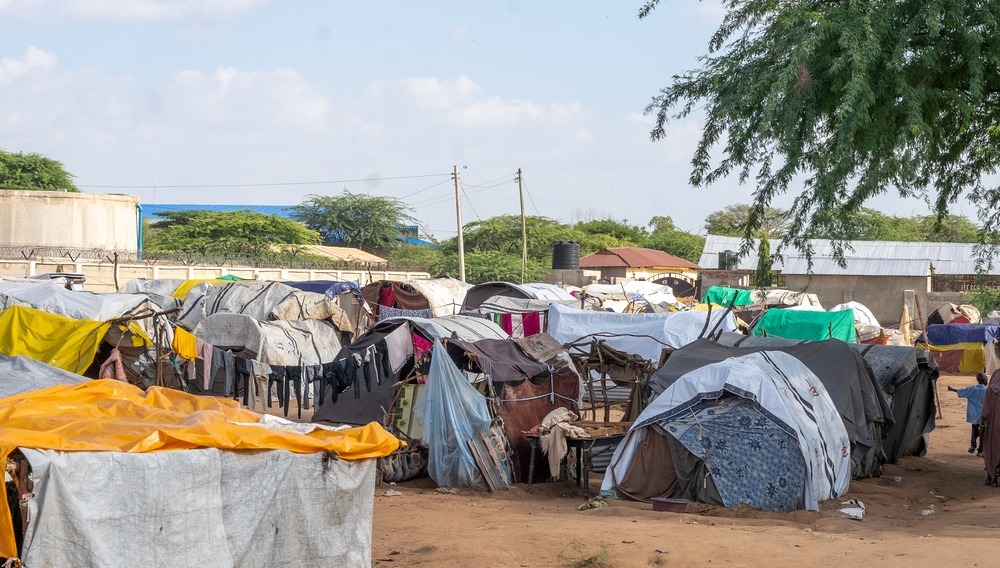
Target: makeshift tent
x,y
906,374
358,390
56,340
262,301
249,356
958,348
347,294
759,429
329,288
415,298
862,314
863,405
480,293
530,378
187,286
132,469
23,374
725,296
809,325
641,334
158,286
626,296
951,313
451,413
72,304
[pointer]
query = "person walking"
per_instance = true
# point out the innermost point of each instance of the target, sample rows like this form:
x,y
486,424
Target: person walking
x,y
974,396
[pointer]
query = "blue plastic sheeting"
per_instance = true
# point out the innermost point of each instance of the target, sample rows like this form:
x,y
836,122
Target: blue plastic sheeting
x,y
451,412
329,288
948,334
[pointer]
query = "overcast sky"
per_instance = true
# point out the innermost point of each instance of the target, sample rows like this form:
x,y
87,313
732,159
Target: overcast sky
x,y
188,94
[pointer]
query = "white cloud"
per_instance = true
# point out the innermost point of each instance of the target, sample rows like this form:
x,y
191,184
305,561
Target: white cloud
x,y
280,99
437,94
34,59
21,8
155,10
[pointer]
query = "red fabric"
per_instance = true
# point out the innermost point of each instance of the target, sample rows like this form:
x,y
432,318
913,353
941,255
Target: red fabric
x,y
420,345
531,323
507,323
386,297
948,360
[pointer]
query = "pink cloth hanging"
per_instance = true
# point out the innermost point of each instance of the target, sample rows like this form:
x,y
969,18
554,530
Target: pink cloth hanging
x,y
113,368
531,323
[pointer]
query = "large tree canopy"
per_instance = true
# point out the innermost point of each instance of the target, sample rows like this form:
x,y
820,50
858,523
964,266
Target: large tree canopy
x,y
355,220
846,99
33,171
225,232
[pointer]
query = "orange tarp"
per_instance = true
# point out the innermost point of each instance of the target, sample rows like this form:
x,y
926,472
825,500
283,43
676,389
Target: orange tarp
x,y
108,415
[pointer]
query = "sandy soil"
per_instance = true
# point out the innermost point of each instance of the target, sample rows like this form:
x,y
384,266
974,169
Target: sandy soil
x,y
542,526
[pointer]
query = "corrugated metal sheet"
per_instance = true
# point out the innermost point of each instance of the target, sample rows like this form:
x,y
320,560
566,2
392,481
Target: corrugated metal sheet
x,y
864,258
858,266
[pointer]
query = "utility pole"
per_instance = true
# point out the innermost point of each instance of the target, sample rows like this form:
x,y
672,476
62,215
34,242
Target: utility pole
x,y
461,236
524,227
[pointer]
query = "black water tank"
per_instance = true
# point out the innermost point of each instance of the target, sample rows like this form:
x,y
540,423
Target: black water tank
x,y
565,255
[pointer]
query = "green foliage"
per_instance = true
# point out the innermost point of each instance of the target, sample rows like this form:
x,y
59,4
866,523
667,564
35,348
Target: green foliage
x,y
503,234
493,249
765,273
846,100
985,299
354,220
732,221
218,232
668,238
416,257
486,265
34,172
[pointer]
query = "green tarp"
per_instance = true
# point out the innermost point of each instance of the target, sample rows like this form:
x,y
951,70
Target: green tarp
x,y
807,325
724,296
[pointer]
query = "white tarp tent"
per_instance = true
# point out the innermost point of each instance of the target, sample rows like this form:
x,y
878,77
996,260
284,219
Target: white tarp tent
x,y
202,507
72,304
642,334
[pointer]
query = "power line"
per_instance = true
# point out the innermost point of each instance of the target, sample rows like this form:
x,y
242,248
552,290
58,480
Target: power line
x,y
529,196
235,185
471,206
439,200
424,189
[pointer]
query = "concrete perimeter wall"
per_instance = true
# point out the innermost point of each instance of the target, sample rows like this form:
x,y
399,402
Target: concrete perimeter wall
x,y
101,276
884,295
57,219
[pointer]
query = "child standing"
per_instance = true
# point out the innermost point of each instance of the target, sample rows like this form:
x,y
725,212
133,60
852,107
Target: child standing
x,y
974,396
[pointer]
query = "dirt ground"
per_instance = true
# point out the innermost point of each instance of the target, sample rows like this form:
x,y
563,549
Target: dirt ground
x,y
541,525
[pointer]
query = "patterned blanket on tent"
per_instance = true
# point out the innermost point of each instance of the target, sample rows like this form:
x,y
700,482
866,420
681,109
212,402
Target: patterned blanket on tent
x,y
751,458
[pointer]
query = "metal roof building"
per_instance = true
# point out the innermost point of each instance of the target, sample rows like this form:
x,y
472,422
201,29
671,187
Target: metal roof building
x,y
863,258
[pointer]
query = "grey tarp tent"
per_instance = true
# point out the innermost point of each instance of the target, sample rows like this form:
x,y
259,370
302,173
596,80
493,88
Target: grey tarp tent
x,y
906,374
862,405
758,429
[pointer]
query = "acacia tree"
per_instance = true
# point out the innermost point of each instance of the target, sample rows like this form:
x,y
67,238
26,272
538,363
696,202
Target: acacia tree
x,y
846,100
35,172
355,220
225,232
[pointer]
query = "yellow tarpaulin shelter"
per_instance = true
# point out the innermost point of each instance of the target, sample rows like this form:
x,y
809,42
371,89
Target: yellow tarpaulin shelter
x,y
182,291
50,338
113,416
